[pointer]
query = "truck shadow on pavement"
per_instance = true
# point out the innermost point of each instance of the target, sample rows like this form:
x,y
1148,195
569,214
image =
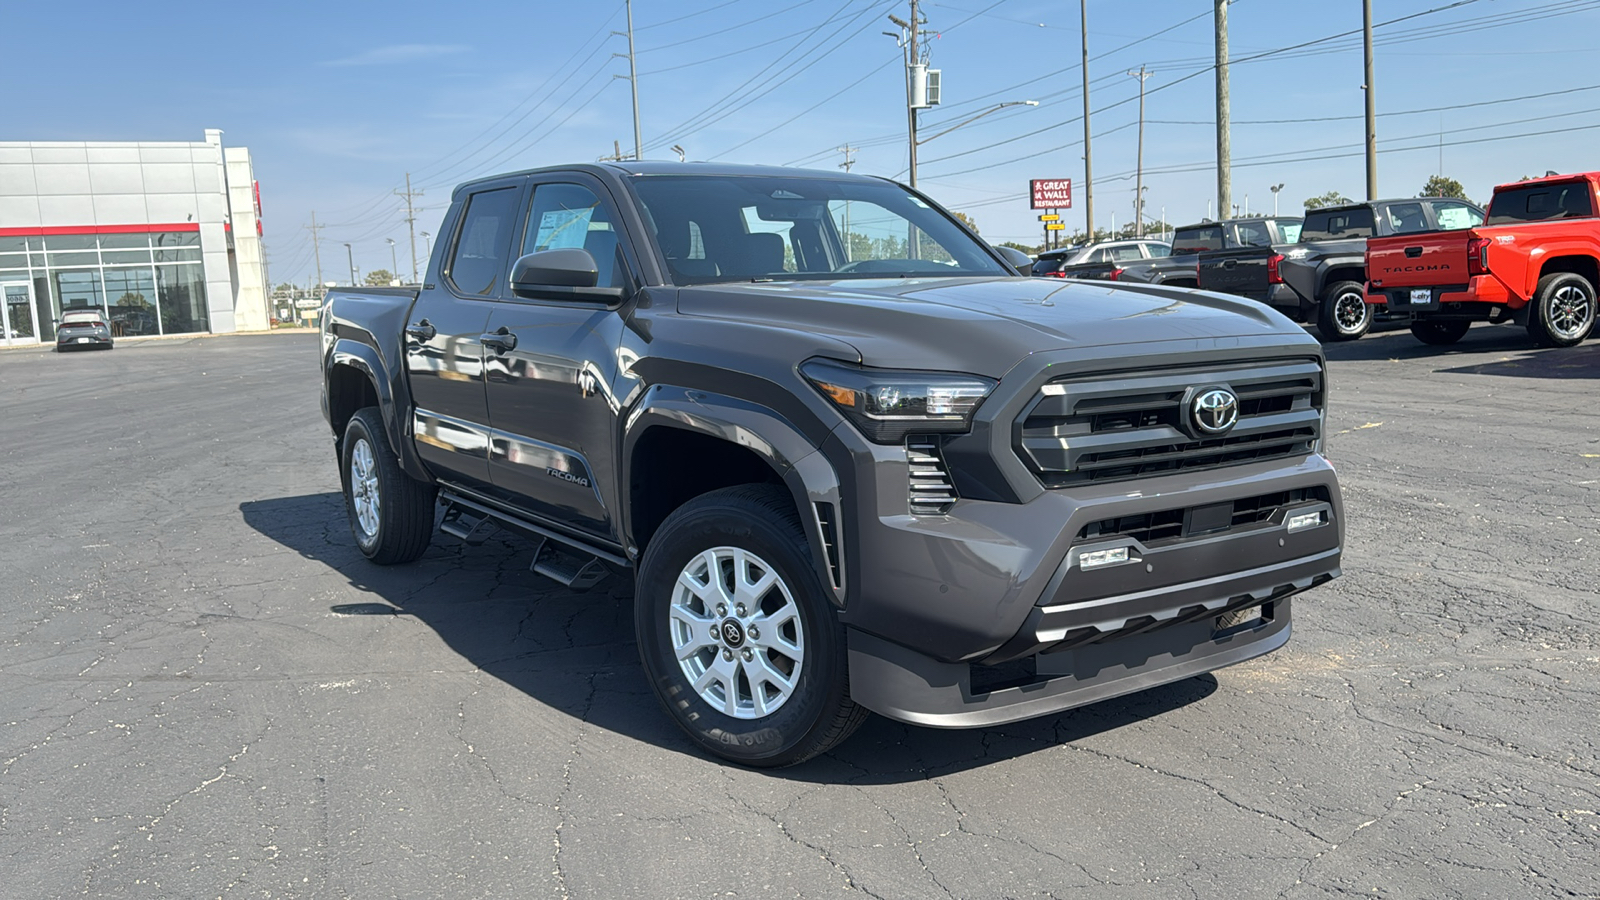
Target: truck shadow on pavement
x,y
1487,349
575,652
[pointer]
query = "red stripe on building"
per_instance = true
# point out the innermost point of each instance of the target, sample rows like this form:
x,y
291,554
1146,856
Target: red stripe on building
x,y
98,229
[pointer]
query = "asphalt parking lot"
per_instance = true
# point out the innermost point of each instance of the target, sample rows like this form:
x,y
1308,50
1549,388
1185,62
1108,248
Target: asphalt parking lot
x,y
205,691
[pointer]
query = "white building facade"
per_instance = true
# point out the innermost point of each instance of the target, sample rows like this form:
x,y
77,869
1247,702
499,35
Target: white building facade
x,y
162,237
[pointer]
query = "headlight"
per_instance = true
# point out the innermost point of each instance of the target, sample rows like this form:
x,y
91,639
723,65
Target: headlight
x,y
888,404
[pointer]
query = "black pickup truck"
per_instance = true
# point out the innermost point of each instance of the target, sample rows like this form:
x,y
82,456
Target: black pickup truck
x,y
1189,241
850,457
1322,277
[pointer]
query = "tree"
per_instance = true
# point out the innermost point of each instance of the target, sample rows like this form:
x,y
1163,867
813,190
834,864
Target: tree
x,y
379,277
1030,249
1331,198
967,221
1440,186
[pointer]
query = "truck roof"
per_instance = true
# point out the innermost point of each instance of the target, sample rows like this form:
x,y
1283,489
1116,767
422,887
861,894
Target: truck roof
x,y
1547,179
663,167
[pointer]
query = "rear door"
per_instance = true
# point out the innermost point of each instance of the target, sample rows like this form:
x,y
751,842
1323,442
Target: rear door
x,y
444,351
551,366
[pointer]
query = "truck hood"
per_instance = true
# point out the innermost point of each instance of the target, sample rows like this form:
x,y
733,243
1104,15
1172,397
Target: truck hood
x,y
983,326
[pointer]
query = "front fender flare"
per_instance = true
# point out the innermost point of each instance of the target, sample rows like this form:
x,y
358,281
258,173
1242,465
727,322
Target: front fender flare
x,y
809,476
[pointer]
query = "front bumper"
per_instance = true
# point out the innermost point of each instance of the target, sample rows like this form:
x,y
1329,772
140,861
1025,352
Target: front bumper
x,y
997,586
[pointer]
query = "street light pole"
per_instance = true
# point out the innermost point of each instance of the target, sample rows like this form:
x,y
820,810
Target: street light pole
x,y
394,274
1275,189
352,255
1138,186
427,242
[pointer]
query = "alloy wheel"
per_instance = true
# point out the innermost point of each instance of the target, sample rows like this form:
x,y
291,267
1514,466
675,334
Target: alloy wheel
x,y
736,632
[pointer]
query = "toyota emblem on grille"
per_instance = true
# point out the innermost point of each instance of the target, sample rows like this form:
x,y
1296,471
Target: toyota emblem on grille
x,y
1214,411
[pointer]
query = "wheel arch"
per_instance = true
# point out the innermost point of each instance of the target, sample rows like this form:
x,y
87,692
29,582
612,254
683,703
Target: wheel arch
x,y
1577,264
356,378
680,444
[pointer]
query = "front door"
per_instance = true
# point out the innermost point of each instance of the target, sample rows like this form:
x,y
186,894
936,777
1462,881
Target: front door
x,y
553,390
16,314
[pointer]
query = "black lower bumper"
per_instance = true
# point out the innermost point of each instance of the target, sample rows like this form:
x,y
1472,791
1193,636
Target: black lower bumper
x,y
907,686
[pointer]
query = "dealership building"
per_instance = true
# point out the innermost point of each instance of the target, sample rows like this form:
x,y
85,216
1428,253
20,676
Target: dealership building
x,y
161,237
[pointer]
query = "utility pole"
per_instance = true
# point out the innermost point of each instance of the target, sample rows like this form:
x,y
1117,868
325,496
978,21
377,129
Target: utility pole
x,y
1224,149
849,255
1138,185
633,81
411,224
913,57
616,155
1372,102
316,244
1088,158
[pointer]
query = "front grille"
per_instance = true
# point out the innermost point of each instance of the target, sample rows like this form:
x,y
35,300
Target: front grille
x,y
1156,528
1119,426
931,491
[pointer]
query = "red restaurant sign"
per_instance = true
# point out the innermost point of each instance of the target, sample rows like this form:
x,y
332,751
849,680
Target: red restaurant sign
x,y
1051,193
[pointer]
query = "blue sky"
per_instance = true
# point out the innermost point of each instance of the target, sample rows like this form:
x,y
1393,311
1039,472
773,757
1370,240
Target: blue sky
x,y
338,101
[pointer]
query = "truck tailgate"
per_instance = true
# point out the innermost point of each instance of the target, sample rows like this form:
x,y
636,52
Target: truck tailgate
x,y
1429,260
1241,271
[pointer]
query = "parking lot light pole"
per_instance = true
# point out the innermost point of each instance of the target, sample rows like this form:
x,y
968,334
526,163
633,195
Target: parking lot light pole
x,y
394,274
1275,189
352,255
427,243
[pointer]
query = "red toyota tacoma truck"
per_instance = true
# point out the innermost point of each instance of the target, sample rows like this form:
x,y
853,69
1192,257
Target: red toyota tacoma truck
x,y
1532,262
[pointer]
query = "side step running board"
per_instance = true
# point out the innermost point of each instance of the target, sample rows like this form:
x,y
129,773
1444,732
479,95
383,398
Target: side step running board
x,y
565,559
469,527
578,571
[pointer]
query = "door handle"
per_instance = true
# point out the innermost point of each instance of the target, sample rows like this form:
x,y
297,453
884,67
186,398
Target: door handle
x,y
1413,252
502,340
422,331
1229,263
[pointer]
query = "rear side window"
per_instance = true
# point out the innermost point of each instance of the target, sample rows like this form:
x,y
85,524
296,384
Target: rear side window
x,y
1157,251
1335,224
1194,240
1290,231
481,246
1538,203
1126,254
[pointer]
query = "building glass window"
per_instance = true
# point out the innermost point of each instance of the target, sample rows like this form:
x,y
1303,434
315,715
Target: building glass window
x,y
131,296
182,290
145,284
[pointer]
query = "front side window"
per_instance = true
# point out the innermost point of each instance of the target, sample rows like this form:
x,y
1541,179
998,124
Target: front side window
x,y
571,216
481,241
720,228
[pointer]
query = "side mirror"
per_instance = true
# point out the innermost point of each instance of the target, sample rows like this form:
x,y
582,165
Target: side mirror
x,y
568,273
1022,262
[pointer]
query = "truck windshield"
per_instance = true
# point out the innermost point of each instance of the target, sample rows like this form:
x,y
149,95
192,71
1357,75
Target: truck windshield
x,y
720,228
1336,224
1537,203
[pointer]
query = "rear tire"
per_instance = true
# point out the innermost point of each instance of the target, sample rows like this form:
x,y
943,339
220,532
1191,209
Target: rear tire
x,y
1563,310
391,513
1440,332
736,632
1343,314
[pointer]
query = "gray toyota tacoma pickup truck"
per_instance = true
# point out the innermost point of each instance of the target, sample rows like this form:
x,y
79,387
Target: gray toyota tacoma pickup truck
x,y
851,458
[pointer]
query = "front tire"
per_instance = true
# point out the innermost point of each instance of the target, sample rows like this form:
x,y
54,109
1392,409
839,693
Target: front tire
x,y
736,632
1563,310
391,513
1440,332
1343,313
